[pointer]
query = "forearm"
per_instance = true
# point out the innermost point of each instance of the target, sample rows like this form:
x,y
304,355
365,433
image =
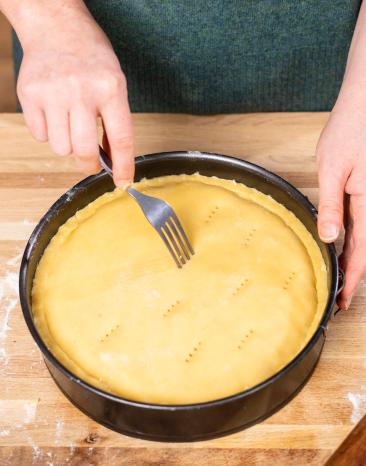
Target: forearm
x,y
354,79
37,20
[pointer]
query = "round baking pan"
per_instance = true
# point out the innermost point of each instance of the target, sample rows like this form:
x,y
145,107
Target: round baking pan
x,y
196,421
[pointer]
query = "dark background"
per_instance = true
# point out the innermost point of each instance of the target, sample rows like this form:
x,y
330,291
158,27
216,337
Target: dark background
x,y
7,86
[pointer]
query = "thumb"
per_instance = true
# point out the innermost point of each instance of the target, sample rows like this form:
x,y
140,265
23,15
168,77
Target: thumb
x,y
331,195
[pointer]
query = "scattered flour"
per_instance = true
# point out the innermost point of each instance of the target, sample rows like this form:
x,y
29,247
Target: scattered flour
x,y
8,302
23,411
72,453
50,456
36,451
59,431
358,401
30,409
9,284
4,358
15,260
4,325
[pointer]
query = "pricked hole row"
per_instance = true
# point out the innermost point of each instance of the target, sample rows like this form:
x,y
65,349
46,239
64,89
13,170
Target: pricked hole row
x,y
238,288
244,340
193,352
249,237
212,213
171,308
108,334
288,280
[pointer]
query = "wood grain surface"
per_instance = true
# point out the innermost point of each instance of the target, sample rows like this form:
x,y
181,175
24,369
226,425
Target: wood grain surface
x,y
352,452
39,426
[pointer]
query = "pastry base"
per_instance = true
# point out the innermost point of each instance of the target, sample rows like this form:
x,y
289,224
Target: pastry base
x,y
111,305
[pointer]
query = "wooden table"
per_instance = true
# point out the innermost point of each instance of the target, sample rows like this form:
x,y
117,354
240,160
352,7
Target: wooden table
x,y
39,426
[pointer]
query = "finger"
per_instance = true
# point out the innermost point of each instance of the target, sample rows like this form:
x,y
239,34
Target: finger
x,y
343,300
117,122
36,122
353,259
84,140
331,192
58,130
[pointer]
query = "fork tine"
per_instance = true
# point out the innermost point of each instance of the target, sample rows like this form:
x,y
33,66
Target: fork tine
x,y
167,244
176,234
182,232
172,238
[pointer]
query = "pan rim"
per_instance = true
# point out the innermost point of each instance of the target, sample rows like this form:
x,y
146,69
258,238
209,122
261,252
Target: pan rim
x,y
178,155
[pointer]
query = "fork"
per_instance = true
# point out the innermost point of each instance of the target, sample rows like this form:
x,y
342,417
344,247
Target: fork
x,y
161,216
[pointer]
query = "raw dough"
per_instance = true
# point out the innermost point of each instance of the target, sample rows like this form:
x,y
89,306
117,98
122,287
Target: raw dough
x,y
112,306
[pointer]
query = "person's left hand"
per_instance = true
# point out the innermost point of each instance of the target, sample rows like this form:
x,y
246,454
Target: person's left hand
x,y
341,156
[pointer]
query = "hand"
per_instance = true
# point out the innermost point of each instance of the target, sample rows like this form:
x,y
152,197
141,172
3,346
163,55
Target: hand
x,y
341,155
69,76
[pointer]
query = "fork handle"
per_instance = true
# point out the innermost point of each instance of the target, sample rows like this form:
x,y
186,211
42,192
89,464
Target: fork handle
x,y
105,161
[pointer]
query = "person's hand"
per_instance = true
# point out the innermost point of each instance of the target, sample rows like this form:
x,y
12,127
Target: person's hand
x,y
69,76
341,155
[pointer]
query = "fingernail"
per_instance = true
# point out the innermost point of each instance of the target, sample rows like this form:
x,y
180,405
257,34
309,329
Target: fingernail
x,y
348,302
329,232
123,184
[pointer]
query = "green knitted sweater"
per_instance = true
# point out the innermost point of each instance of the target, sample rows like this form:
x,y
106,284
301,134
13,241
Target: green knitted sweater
x,y
220,56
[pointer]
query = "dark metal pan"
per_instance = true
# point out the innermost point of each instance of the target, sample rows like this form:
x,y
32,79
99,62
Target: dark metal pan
x,y
200,420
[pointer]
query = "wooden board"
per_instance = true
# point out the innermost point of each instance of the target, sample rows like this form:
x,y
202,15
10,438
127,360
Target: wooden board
x,y
39,426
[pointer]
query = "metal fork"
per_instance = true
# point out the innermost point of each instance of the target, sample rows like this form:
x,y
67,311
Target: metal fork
x,y
161,216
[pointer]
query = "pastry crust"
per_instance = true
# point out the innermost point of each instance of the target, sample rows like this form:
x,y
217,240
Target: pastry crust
x,y
111,305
